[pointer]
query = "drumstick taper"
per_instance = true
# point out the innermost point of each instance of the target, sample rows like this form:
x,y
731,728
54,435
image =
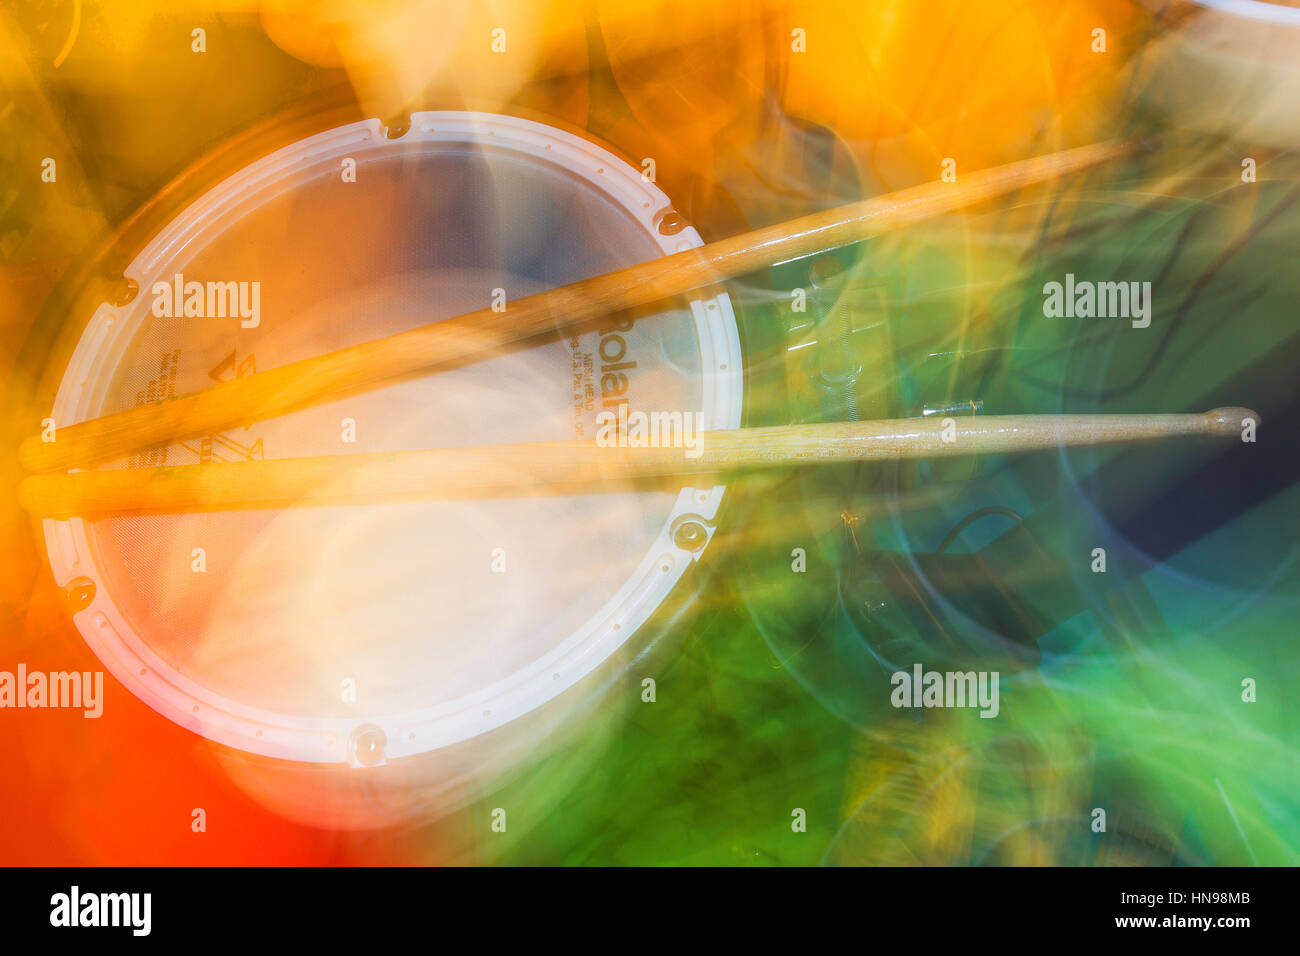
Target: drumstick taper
x,y
325,377
584,464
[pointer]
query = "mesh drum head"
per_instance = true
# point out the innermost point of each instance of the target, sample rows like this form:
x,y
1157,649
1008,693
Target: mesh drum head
x,y
367,633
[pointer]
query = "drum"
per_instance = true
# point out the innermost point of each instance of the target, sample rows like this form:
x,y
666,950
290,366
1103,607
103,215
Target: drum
x,y
358,636
1225,67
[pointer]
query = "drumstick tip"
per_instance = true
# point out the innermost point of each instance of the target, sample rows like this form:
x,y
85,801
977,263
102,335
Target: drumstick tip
x,y
30,497
1229,420
29,454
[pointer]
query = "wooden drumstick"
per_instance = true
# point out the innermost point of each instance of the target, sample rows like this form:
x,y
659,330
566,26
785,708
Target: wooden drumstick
x,y
582,465
485,332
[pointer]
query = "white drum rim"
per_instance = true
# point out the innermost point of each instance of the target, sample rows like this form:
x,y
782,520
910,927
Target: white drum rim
x,y
71,547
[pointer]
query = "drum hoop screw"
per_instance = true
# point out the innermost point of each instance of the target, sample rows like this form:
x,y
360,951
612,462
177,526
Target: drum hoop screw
x,y
690,535
125,292
80,593
671,223
368,745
